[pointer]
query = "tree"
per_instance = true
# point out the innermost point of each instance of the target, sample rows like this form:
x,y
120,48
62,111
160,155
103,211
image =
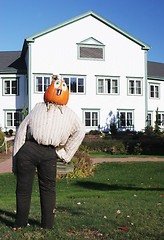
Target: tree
x,y
24,111
113,128
157,123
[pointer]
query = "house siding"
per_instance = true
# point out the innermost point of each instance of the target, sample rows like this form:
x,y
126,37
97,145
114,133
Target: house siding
x,y
55,51
13,102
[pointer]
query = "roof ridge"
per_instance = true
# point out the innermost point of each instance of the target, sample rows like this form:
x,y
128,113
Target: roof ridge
x,y
95,15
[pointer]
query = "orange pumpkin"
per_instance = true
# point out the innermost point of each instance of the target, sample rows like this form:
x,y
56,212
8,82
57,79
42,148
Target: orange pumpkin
x,y
57,92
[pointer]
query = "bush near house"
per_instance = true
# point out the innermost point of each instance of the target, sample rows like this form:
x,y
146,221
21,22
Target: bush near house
x,y
127,143
2,138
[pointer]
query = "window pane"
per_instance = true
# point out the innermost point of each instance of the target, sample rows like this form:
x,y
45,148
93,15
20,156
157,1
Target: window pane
x,y
94,119
100,86
80,85
87,119
149,119
156,91
114,86
46,83
131,87
14,87
122,119
7,87
138,87
73,84
129,119
16,119
67,81
39,84
159,119
9,119
107,86
152,91
162,119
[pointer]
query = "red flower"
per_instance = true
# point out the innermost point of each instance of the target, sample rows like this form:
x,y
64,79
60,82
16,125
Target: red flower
x,y
6,236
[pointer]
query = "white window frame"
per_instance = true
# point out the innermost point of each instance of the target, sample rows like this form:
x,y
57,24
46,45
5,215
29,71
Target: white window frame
x,y
127,120
69,78
107,87
11,80
156,94
135,91
42,84
12,112
92,119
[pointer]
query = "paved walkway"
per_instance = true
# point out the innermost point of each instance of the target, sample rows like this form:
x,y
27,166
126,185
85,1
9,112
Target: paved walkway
x,y
6,166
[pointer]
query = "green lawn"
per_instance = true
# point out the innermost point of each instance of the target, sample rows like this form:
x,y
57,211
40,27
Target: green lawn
x,y
121,201
107,155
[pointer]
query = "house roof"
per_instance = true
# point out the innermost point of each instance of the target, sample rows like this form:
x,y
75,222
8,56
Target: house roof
x,y
72,20
12,62
155,70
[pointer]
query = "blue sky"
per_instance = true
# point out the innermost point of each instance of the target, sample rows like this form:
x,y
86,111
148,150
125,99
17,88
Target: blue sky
x,y
144,19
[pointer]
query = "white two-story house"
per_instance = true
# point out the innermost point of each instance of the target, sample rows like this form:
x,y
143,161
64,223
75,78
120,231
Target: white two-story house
x,y
105,68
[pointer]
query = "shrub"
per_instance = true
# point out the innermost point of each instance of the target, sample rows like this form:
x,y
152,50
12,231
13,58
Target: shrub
x,y
2,138
113,128
109,146
82,167
116,147
10,132
137,149
133,143
94,132
157,123
149,130
24,111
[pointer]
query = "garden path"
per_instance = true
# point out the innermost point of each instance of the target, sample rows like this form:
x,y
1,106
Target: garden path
x,y
6,166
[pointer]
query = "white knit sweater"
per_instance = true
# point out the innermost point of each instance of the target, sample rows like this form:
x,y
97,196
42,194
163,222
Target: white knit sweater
x,y
56,126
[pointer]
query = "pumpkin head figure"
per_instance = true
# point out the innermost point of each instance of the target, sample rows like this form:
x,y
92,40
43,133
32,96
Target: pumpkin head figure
x,y
57,92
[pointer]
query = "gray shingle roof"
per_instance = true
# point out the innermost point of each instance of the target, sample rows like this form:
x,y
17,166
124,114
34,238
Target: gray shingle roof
x,y
12,61
155,69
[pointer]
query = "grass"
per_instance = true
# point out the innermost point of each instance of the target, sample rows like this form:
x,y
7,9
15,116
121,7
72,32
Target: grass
x,y
107,155
119,195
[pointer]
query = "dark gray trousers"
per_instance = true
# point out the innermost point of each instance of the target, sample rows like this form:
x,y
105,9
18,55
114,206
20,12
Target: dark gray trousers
x,y
31,156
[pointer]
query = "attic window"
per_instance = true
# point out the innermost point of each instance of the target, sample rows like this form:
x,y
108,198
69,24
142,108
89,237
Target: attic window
x,y
91,49
91,52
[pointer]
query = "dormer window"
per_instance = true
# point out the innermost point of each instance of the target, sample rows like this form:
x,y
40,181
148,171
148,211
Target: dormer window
x,y
91,49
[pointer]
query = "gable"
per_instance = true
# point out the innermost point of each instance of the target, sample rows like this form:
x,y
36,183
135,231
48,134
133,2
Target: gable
x,y
92,41
32,38
91,48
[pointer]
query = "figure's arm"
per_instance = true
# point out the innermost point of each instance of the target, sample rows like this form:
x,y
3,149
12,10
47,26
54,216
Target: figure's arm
x,y
19,140
20,135
76,136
